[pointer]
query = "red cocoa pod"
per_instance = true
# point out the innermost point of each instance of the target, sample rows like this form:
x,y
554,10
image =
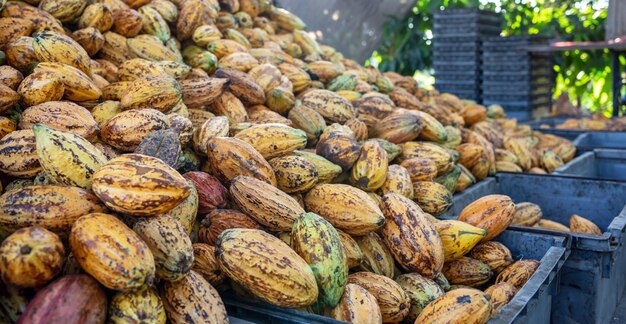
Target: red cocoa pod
x,y
220,220
71,299
211,193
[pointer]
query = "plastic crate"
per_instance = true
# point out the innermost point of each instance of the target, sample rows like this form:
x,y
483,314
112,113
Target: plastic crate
x,y
519,66
460,76
450,67
467,15
463,47
601,140
522,76
599,164
515,99
594,276
457,56
531,304
546,125
532,90
471,29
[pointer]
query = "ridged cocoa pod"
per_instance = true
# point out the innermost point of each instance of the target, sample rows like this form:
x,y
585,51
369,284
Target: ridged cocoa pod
x,y
61,115
90,39
440,155
273,140
187,211
398,128
40,87
70,299
398,180
333,107
501,294
432,197
420,169
283,277
211,193
308,120
462,305
111,252
294,174
518,273
393,302
493,213
136,306
358,128
421,291
579,224
225,156
205,264
30,257
370,169
352,249
526,214
127,185
357,306
494,254
20,53
377,257
98,15
411,236
8,97
161,144
18,154
55,208
242,86
347,208
220,220
170,245
467,271
193,299
339,146
266,204
552,225
126,130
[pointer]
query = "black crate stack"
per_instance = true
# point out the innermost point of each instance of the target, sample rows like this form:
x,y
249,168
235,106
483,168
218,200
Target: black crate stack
x,y
518,80
457,52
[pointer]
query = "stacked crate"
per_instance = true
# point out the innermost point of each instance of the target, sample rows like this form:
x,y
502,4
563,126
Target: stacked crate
x,y
457,52
518,80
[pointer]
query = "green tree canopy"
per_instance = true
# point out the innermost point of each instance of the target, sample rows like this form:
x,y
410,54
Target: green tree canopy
x,y
584,75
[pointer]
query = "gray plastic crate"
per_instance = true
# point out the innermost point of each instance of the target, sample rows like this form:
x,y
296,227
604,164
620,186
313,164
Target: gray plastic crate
x,y
531,304
599,164
601,140
594,277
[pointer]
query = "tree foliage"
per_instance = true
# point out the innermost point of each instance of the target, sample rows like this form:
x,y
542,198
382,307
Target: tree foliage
x,y
584,75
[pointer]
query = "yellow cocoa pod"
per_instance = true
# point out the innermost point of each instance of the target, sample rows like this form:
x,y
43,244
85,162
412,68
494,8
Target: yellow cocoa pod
x,y
226,154
518,273
193,299
398,180
61,115
18,154
170,245
578,224
432,197
494,254
265,203
55,208
135,306
273,140
526,214
501,294
357,305
284,279
408,230
54,47
31,257
111,252
126,130
126,184
377,257
294,174
493,213
463,305
66,157
40,87
206,264
347,208
393,302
